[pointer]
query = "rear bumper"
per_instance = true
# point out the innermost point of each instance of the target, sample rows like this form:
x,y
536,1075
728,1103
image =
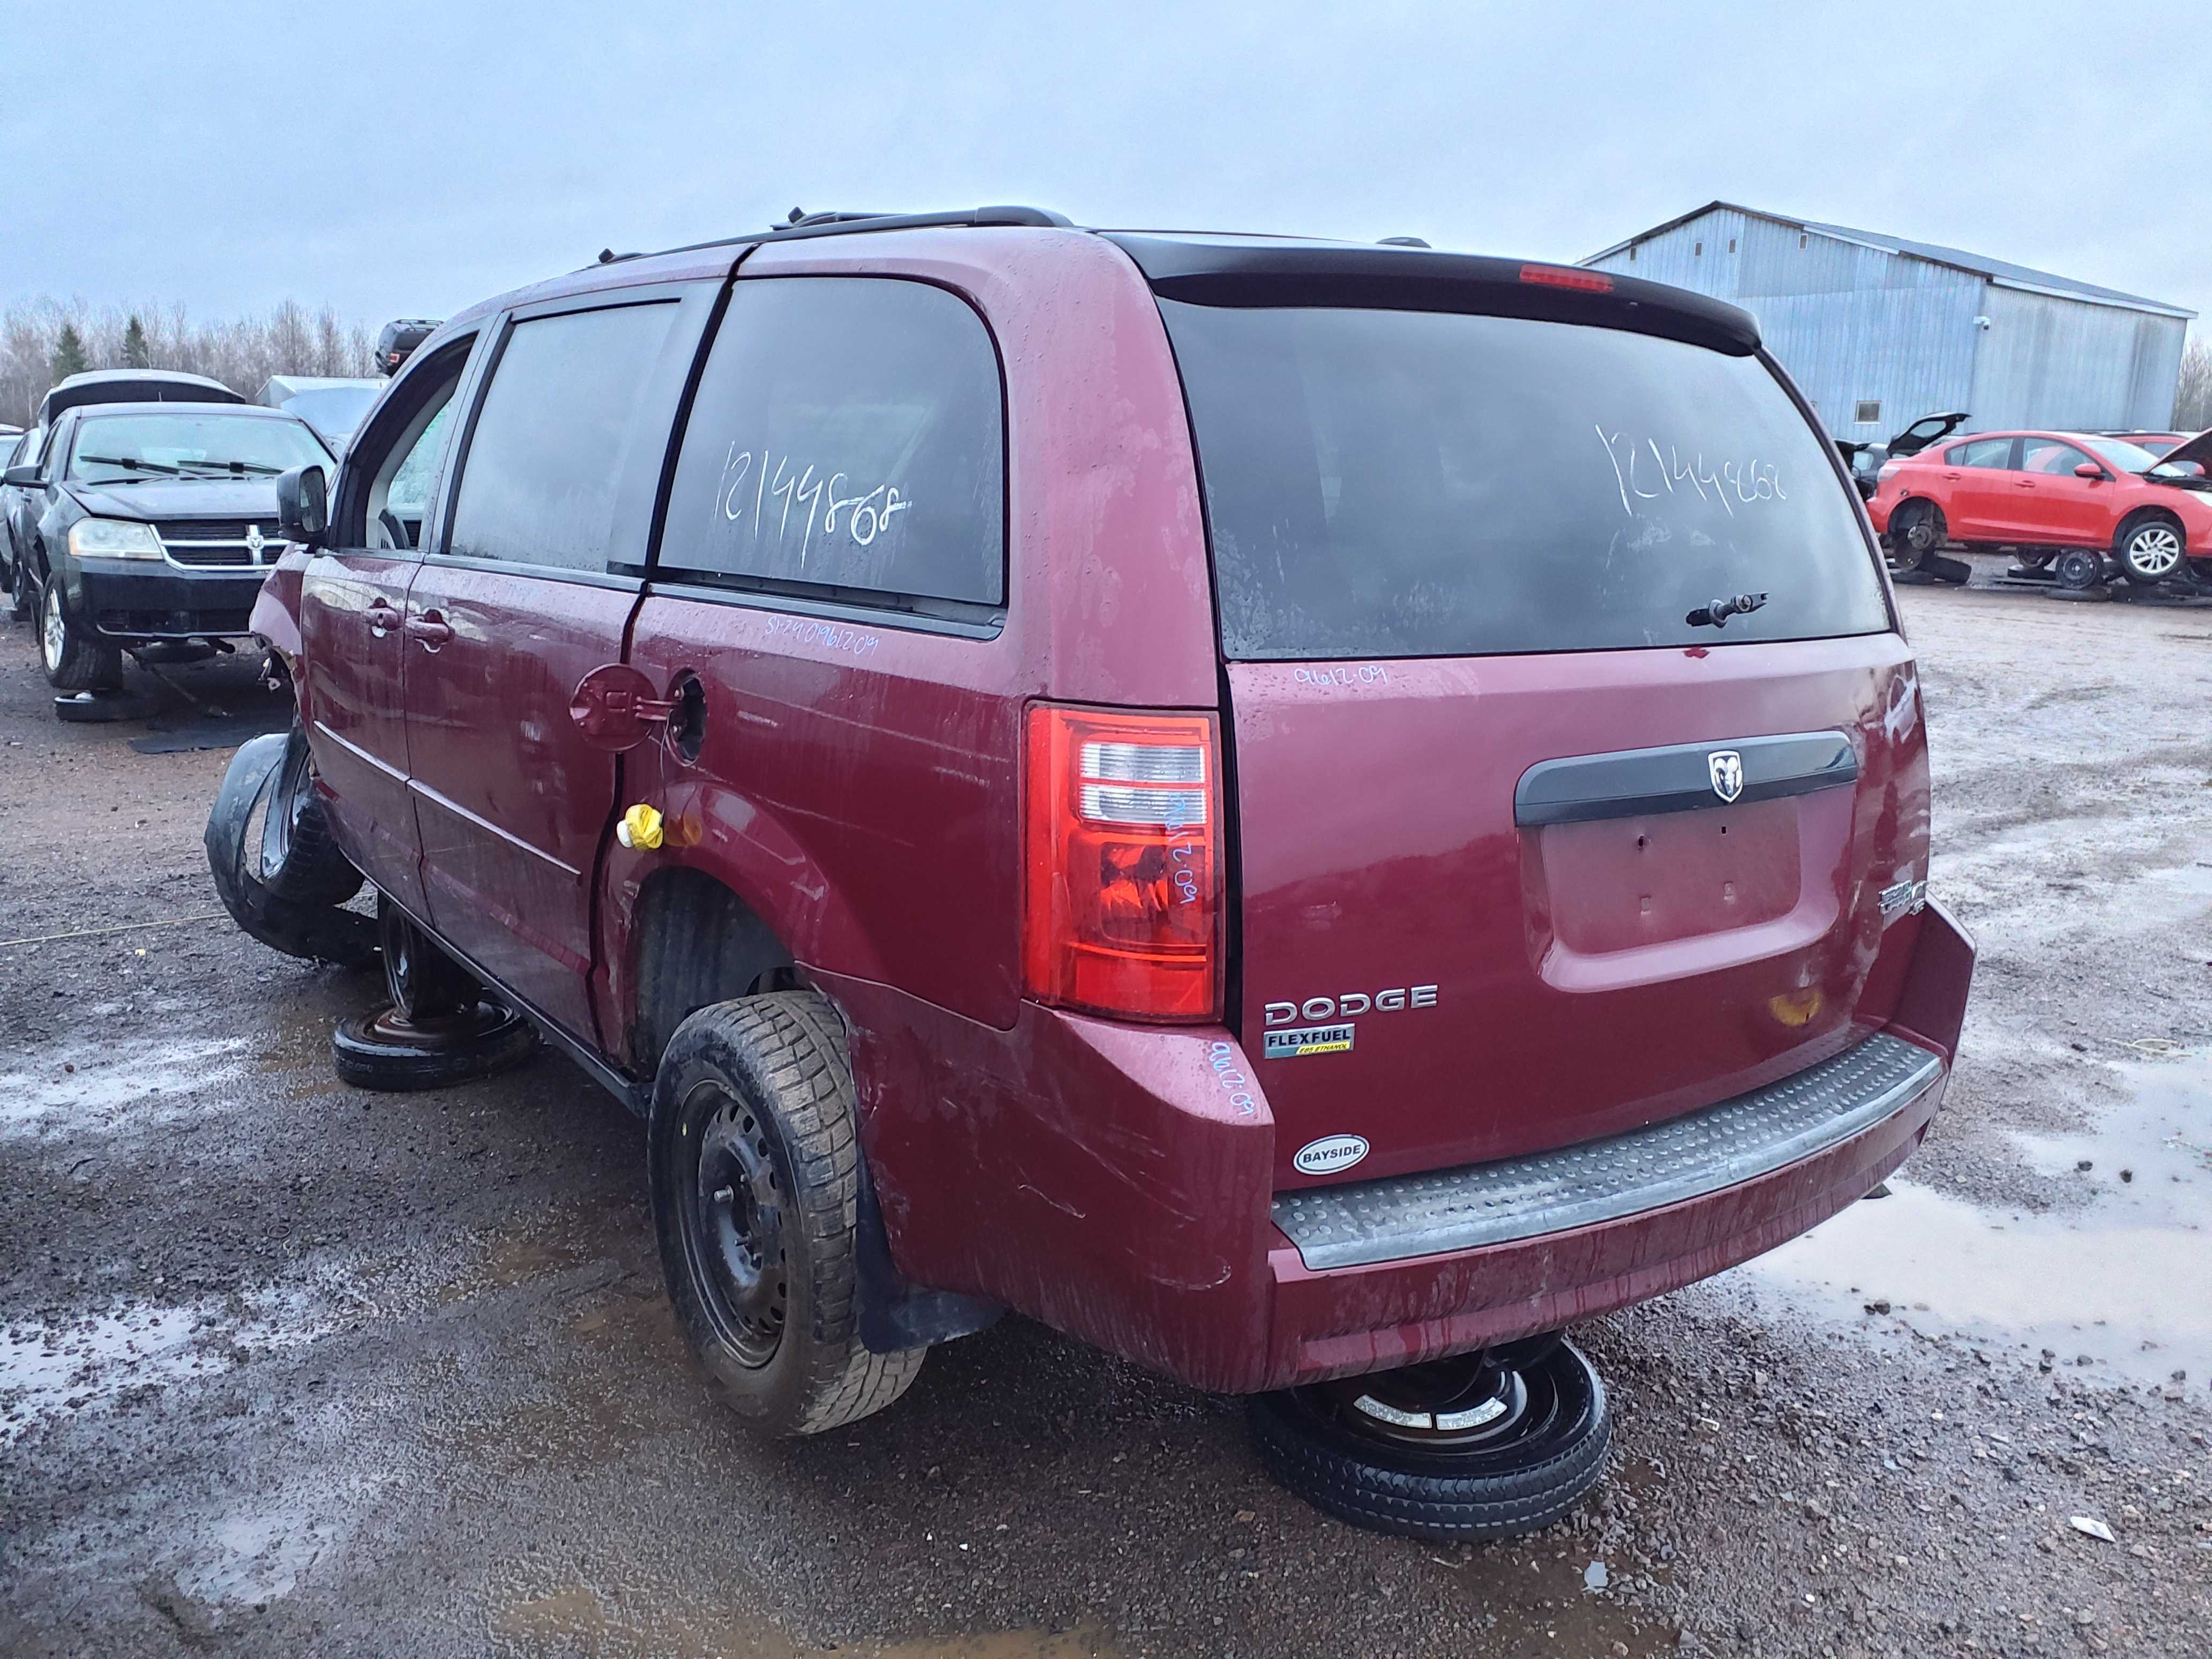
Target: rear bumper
x,y
1116,1183
130,599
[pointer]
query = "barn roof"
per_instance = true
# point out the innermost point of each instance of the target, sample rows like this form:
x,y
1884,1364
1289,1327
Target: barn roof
x,y
1996,270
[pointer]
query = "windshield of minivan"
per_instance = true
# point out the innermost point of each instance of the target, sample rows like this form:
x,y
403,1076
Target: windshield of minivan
x,y
1395,483
118,448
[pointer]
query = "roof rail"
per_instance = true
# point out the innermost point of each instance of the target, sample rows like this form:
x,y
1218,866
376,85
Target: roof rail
x,y
804,225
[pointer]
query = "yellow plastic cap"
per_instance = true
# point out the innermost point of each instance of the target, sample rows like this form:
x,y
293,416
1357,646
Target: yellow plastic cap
x,y
641,827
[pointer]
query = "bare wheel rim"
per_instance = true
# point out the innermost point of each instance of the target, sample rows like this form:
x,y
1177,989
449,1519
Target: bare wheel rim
x,y
734,1225
1445,1406
2155,549
53,630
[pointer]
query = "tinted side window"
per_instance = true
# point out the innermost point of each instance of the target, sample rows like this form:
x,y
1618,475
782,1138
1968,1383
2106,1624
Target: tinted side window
x,y
565,438
846,436
1983,451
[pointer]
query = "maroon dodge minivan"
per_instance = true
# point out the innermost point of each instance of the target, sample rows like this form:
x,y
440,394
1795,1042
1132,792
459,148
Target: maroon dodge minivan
x,y
1308,814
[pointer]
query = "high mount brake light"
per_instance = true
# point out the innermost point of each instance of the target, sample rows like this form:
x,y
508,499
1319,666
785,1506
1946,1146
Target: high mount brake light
x,y
1585,282
1121,913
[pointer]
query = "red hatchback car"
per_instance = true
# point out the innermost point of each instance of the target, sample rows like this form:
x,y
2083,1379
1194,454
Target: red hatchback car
x,y
1307,814
2068,497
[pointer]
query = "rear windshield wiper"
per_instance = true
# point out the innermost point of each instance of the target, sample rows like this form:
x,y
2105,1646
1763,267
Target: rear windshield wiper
x,y
1715,613
131,462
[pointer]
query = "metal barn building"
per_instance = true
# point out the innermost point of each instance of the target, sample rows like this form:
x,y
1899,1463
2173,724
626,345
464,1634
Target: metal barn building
x,y
1879,330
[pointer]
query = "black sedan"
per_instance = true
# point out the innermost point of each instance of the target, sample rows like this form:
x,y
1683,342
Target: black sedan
x,y
152,522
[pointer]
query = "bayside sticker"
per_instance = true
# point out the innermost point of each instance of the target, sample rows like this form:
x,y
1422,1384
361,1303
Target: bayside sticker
x,y
1308,1039
1330,1154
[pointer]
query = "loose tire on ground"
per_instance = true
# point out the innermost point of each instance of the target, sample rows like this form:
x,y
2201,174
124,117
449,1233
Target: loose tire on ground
x,y
1524,1469
74,659
317,933
384,1051
756,1178
2149,550
2078,568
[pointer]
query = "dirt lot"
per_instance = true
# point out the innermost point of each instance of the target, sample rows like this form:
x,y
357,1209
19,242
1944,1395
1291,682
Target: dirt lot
x,y
287,1369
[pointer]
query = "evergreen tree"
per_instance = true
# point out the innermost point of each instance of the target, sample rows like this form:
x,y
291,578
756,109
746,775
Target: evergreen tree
x,y
69,353
135,352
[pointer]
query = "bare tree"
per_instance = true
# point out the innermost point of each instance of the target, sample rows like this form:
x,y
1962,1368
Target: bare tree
x,y
41,339
2192,397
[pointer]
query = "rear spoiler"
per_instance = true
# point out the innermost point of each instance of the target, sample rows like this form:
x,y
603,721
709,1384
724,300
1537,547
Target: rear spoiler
x,y
1225,272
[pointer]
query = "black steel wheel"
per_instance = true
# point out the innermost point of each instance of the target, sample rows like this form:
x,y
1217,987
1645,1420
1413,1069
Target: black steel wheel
x,y
299,860
733,1226
756,1175
1484,1446
2078,568
385,1051
426,984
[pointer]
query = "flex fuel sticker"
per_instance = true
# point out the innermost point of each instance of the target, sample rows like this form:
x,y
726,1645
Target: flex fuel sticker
x,y
1308,1039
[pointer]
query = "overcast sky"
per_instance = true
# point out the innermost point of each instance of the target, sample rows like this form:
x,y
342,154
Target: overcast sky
x,y
406,159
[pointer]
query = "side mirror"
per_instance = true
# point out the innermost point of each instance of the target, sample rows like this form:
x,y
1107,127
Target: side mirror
x,y
22,477
2090,471
303,508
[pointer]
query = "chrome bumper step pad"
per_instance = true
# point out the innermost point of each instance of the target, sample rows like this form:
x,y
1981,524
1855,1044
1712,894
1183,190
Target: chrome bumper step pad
x,y
1752,1135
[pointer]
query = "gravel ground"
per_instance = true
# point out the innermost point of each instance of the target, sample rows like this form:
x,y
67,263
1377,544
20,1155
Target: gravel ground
x,y
287,1369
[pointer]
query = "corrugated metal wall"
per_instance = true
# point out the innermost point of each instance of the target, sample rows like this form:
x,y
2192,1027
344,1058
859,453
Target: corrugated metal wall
x,y
1854,324
2051,361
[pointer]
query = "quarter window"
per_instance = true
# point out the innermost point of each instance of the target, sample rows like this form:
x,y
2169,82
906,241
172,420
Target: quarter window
x,y
846,442
561,466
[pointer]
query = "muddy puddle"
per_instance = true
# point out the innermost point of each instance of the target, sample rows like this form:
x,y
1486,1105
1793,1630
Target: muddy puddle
x,y
96,1089
48,1370
578,1618
2118,1278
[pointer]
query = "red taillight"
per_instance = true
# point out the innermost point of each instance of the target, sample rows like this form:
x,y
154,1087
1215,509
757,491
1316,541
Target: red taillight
x,y
1123,908
1584,282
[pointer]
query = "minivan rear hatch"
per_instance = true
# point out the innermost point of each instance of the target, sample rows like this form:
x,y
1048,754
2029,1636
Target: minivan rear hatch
x,y
1526,855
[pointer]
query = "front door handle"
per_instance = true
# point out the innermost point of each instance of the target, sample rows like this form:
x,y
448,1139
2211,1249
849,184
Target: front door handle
x,y
380,617
432,630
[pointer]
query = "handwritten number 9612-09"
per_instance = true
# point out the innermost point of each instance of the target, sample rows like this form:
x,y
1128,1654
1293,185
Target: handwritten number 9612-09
x,y
867,515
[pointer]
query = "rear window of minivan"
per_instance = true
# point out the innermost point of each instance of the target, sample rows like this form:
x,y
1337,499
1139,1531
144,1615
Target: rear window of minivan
x,y
1414,483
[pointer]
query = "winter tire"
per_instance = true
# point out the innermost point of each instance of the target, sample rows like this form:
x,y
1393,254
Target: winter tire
x,y
318,932
2035,558
2078,568
755,1176
385,1051
1468,1448
2149,550
298,861
74,659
